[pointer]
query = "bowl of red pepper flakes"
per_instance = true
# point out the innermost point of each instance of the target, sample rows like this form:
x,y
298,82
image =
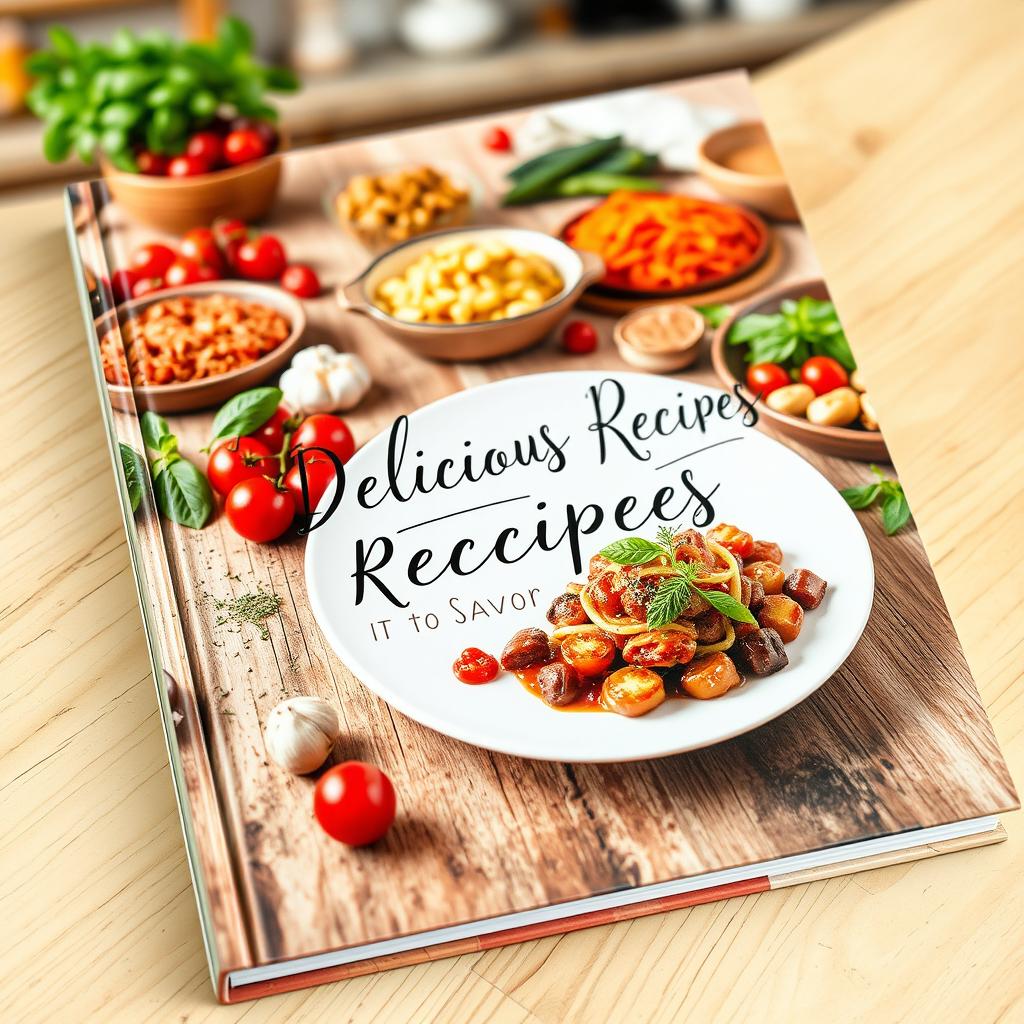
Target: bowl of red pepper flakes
x,y
661,245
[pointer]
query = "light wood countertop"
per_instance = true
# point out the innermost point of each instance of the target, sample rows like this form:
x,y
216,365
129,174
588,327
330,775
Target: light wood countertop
x,y
900,141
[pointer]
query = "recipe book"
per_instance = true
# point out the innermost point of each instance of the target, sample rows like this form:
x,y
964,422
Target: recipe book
x,y
612,633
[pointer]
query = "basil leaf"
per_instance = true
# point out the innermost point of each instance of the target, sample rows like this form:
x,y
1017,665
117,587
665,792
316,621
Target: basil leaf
x,y
63,42
671,597
234,37
775,347
57,142
154,430
134,468
728,606
632,551
183,494
245,412
754,324
860,497
836,346
895,513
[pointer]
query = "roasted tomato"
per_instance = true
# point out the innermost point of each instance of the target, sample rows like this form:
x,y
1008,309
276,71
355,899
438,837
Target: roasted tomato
x,y
598,565
606,593
710,676
590,652
567,610
692,547
632,691
474,666
782,614
661,648
768,574
766,551
733,539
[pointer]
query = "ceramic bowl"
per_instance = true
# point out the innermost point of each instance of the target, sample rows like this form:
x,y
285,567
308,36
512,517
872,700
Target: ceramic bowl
x,y
487,339
208,391
847,442
175,205
770,195
683,332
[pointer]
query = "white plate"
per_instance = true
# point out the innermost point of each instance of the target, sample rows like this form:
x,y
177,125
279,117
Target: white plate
x,y
762,486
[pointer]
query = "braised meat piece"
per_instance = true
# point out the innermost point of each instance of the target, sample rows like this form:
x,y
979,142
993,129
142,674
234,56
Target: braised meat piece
x,y
782,614
751,593
567,610
710,628
527,647
762,652
559,684
806,588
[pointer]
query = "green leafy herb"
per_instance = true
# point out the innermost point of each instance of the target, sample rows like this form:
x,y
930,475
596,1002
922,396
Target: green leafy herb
x,y
134,467
673,593
183,494
249,609
245,412
155,430
895,510
148,90
801,328
715,314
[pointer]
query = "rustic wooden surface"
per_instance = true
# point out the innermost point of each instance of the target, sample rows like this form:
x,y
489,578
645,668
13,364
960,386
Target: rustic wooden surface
x,y
96,889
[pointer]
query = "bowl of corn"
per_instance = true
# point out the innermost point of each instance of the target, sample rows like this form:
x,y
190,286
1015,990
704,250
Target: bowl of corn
x,y
472,293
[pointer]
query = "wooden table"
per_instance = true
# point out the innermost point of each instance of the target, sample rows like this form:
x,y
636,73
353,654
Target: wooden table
x,y
96,893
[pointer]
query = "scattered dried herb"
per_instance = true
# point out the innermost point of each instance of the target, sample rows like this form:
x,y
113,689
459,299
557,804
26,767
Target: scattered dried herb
x,y
251,609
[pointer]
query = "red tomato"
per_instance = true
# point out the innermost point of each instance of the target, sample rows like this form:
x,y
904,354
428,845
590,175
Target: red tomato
x,y
206,146
186,166
261,259
121,284
498,140
237,459
319,474
764,378
272,432
200,245
301,280
204,272
258,511
181,272
354,803
145,285
323,430
227,230
151,163
264,129
579,338
474,666
823,374
243,145
152,260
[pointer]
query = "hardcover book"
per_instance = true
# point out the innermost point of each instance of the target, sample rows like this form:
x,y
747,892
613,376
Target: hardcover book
x,y
532,559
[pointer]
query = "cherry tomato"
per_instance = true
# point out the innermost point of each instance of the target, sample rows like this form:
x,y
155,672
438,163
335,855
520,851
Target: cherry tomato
x,y
264,129
823,374
578,337
258,510
474,666
319,474
498,140
244,145
301,280
272,432
764,378
261,259
237,459
323,430
151,163
736,541
354,803
590,653
152,260
121,284
206,146
200,245
182,271
186,166
145,285
204,272
227,230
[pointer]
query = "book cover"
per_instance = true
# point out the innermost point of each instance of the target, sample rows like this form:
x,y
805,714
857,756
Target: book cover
x,y
580,583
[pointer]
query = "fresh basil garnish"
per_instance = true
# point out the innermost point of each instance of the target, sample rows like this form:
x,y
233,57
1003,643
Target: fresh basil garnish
x,y
244,413
183,494
134,467
632,551
895,509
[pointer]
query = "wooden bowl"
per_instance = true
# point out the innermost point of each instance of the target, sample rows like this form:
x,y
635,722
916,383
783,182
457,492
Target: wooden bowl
x,y
175,205
682,330
768,193
487,339
208,391
846,442
638,295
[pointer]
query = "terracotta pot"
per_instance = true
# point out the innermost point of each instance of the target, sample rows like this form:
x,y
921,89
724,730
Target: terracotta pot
x,y
176,204
487,339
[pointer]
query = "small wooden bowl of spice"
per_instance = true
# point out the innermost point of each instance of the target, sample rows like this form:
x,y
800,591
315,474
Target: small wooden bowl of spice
x,y
660,338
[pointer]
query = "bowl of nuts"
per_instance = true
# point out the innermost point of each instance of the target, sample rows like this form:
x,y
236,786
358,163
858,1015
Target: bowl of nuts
x,y
788,347
472,293
383,208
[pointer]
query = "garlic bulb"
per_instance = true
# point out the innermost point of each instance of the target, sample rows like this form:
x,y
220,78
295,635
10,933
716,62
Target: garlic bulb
x,y
322,379
300,732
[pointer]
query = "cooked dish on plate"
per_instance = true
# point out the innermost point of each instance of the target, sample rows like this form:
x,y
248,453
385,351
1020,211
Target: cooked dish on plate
x,y
654,242
468,280
188,338
686,615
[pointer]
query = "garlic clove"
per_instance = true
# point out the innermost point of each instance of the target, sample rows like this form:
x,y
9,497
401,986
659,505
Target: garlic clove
x,y
300,733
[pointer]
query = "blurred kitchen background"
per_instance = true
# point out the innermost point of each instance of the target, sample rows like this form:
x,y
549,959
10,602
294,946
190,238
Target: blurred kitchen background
x,y
372,65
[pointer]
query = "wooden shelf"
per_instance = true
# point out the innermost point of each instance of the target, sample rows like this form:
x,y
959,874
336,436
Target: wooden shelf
x,y
395,89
